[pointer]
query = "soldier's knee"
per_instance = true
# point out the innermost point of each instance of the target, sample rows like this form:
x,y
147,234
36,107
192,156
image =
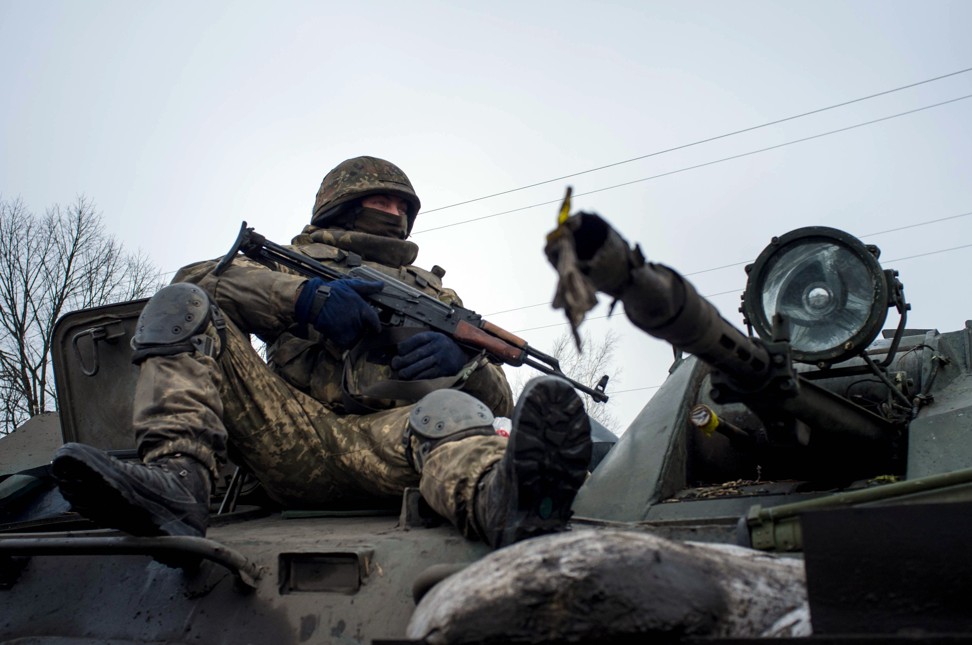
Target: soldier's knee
x,y
443,416
177,319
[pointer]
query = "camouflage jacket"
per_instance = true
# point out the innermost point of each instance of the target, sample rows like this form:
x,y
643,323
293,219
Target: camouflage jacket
x,y
260,301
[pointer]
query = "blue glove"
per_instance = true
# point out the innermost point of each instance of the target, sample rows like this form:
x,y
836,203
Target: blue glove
x,y
428,354
337,310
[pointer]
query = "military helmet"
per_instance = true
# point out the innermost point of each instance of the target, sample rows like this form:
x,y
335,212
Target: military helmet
x,y
355,178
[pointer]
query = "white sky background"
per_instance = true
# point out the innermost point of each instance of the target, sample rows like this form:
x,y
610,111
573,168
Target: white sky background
x,y
180,119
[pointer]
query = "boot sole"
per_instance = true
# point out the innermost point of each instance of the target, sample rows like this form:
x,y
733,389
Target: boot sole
x,y
551,452
96,493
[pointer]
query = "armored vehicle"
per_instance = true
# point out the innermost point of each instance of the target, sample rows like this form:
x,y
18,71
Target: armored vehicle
x,y
841,452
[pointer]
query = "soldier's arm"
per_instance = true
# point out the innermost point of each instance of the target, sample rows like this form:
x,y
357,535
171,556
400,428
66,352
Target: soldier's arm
x,y
259,301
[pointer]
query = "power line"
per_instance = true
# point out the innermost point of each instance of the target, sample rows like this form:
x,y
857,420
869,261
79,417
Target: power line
x,y
723,293
655,387
700,142
925,223
736,264
865,235
633,389
752,152
921,255
506,311
561,324
875,234
703,165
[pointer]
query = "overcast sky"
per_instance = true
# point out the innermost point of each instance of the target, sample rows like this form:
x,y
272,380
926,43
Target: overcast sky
x,y
180,119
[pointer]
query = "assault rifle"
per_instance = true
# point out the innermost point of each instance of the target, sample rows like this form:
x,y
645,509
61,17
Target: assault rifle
x,y
399,304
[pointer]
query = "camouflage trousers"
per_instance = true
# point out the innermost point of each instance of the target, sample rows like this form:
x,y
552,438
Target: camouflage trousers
x,y
303,453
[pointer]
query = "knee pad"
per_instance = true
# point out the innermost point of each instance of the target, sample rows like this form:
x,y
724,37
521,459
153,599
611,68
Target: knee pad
x,y
175,320
443,416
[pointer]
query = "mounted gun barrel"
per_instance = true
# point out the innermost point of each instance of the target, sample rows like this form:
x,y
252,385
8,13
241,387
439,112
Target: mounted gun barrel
x,y
755,371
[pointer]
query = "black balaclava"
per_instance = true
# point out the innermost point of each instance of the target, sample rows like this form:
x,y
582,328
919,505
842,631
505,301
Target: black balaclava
x,y
373,221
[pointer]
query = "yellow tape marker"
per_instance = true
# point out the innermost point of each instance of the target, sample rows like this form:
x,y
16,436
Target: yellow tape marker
x,y
565,207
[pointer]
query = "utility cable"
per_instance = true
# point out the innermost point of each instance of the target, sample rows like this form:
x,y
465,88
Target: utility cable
x,y
925,223
921,255
168,273
736,264
634,389
723,293
703,165
701,141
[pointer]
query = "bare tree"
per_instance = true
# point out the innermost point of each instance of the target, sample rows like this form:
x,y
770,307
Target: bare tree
x,y
51,265
587,367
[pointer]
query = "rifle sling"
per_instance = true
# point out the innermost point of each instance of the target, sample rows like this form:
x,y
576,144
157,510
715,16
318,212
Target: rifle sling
x,y
399,391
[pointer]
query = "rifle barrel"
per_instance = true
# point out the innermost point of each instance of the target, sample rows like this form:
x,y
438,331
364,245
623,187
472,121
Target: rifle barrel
x,y
464,325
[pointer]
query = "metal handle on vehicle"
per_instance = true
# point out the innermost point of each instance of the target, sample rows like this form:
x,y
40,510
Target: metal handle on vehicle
x,y
169,548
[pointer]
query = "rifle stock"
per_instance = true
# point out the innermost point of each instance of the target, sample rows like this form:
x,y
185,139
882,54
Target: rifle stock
x,y
403,304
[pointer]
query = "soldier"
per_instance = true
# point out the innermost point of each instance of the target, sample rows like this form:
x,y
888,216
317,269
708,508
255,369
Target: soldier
x,y
341,411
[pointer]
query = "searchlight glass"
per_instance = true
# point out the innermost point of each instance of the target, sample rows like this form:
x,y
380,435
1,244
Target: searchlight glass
x,y
829,287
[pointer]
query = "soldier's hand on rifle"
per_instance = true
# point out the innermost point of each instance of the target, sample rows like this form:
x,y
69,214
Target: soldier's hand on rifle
x,y
428,354
337,310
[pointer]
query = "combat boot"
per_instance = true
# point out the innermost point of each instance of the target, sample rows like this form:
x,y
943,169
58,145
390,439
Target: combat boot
x,y
530,490
169,496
